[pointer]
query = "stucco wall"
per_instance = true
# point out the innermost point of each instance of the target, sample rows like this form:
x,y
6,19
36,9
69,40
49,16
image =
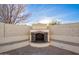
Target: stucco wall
x,y
39,26
13,36
16,32
65,36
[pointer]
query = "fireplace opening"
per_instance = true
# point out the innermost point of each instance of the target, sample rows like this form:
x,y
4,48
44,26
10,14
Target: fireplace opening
x,y
38,37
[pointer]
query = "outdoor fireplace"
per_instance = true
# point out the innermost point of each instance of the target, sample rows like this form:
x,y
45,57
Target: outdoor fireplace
x,y
39,36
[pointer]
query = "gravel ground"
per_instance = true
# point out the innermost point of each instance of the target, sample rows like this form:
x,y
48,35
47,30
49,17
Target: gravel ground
x,y
28,50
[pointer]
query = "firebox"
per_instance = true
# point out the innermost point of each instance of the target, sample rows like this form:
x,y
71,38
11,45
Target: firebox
x,y
39,36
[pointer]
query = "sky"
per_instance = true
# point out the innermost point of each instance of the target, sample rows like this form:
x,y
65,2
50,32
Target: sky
x,y
45,13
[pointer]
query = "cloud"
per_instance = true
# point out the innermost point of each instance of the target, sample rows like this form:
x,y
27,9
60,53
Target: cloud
x,y
46,20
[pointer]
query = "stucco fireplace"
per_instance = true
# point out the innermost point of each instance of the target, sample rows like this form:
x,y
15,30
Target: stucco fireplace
x,y
39,36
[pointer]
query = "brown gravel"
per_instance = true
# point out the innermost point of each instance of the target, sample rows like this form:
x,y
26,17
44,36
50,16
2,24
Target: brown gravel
x,y
28,50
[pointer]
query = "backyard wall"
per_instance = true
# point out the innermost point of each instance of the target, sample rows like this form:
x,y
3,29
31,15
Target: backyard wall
x,y
13,36
65,36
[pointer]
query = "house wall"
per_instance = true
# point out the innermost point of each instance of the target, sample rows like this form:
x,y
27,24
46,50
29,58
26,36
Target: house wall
x,y
65,36
13,36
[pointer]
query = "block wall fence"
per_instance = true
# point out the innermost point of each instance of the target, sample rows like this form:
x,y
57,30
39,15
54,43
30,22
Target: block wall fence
x,y
13,36
65,36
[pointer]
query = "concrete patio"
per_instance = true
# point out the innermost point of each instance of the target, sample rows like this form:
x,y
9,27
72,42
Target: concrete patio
x,y
28,50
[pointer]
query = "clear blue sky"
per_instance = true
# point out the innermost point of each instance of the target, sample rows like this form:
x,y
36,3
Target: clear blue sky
x,y
65,13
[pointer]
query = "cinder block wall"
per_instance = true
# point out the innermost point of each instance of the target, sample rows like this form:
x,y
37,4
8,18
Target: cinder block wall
x,y
13,36
65,36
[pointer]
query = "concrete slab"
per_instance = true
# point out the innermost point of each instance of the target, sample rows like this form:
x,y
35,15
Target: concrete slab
x,y
28,50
